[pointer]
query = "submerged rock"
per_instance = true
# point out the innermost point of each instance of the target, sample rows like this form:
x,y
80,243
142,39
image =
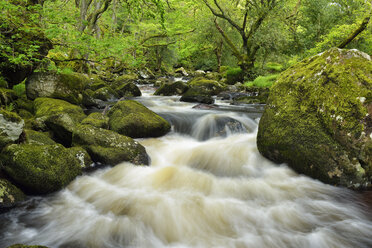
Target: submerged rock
x,y
318,118
40,169
108,147
63,86
132,119
11,127
10,195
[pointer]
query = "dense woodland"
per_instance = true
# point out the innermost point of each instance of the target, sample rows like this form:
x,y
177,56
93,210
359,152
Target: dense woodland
x,y
259,37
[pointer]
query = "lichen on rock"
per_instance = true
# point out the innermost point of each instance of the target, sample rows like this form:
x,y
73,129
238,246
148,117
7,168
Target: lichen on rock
x,y
318,118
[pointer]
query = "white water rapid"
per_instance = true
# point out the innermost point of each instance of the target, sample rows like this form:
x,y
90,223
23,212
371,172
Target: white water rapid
x,y
207,186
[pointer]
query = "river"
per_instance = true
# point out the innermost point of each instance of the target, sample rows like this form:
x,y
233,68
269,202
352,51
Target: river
x,y
207,186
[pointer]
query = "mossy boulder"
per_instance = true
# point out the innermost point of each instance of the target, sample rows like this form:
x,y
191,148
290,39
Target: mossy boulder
x,y
62,86
40,169
108,147
60,117
82,156
105,94
234,75
9,194
318,118
128,90
201,90
45,107
24,103
131,118
97,120
253,95
176,88
124,79
37,138
163,80
11,127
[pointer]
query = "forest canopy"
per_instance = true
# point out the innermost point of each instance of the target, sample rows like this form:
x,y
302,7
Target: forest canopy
x,y
91,35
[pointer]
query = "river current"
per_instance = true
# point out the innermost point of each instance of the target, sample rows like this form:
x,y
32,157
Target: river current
x,y
207,186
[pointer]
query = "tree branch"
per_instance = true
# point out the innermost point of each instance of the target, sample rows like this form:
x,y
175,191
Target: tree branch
x,y
360,29
229,42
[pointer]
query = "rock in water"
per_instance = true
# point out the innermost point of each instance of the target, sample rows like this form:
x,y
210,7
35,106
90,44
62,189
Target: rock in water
x,y
108,147
40,169
131,118
318,118
9,194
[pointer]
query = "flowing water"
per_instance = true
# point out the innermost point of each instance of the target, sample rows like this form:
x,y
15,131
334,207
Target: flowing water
x,y
207,186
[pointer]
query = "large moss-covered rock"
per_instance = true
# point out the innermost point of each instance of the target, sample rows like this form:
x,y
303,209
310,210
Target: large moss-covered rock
x,y
124,79
11,127
63,86
45,107
82,156
105,94
37,138
59,116
132,119
128,90
40,169
201,90
176,88
97,120
9,194
318,118
108,147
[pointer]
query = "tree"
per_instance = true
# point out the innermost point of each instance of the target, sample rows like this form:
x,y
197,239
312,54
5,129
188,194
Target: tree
x,y
252,14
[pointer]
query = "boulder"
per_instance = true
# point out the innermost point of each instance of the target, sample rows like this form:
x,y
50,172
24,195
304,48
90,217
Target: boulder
x,y
37,138
132,119
318,118
201,90
40,169
11,127
62,86
109,147
60,117
82,156
163,80
10,195
97,120
128,90
124,79
105,94
176,88
181,71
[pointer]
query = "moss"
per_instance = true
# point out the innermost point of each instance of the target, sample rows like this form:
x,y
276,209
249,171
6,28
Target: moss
x,y
263,81
128,90
82,156
315,118
10,116
234,75
24,103
40,169
105,94
37,138
127,78
176,88
108,147
3,82
96,120
45,107
24,114
132,119
7,96
9,194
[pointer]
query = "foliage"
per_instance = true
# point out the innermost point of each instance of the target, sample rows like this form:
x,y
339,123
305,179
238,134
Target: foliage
x,y
20,89
263,81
